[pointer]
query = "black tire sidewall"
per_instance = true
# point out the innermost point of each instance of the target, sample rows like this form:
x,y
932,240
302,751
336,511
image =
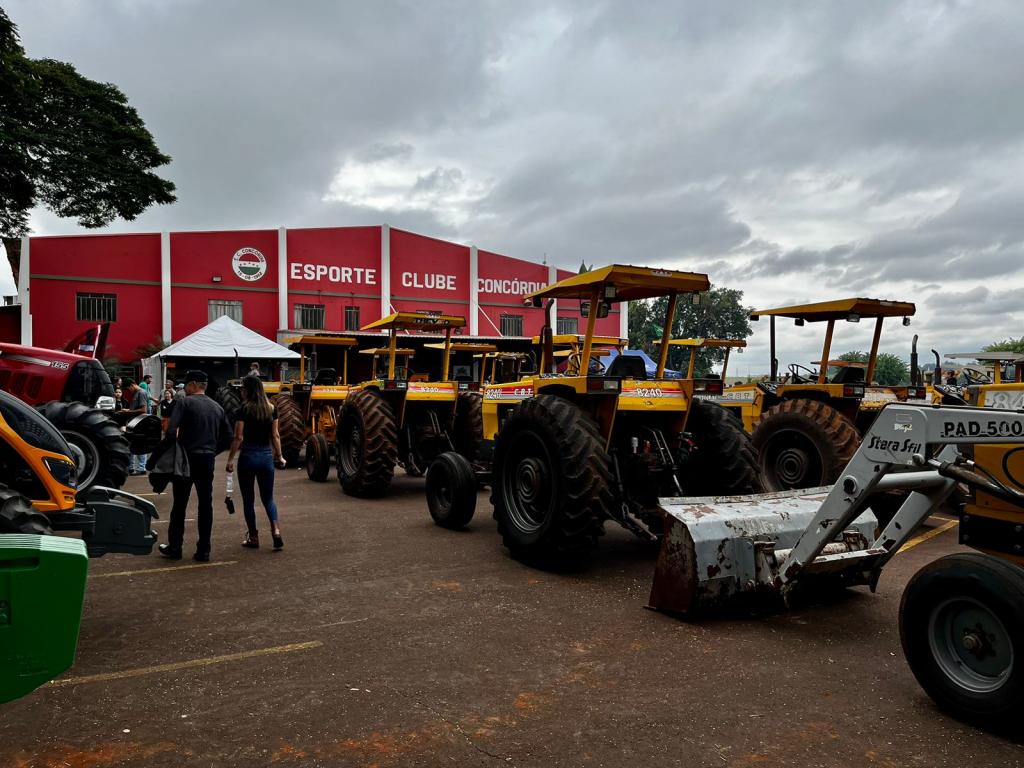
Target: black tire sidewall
x,y
454,471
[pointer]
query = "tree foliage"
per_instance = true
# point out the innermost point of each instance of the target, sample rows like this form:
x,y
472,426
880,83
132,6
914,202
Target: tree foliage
x,y
719,314
1007,345
70,143
889,369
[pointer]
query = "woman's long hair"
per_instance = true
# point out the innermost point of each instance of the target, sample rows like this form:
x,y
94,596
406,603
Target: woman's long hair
x,y
256,402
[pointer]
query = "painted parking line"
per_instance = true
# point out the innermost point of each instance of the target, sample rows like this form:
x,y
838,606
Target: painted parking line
x,y
190,664
166,520
144,571
920,539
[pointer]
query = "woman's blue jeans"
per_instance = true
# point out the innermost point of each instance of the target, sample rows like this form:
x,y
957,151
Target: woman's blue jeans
x,y
256,467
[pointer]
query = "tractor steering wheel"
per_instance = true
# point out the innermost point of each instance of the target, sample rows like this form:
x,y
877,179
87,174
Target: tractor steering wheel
x,y
976,377
574,364
799,378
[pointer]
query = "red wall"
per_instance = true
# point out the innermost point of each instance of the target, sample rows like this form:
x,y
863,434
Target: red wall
x,y
336,267
418,262
133,260
502,282
198,257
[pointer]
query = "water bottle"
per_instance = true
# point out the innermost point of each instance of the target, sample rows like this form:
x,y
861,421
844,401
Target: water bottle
x,y
229,488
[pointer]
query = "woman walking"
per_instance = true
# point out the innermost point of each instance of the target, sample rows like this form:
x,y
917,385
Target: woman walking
x,y
257,436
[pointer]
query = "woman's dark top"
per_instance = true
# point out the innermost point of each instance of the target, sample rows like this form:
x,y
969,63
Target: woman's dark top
x,y
256,433
166,406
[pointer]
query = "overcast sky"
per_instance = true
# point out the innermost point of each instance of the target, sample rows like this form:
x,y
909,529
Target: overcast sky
x,y
796,151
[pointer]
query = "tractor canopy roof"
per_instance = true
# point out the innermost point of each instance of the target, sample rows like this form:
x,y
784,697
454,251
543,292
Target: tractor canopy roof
x,y
313,339
841,309
842,363
989,357
619,282
463,346
416,321
574,338
386,351
706,343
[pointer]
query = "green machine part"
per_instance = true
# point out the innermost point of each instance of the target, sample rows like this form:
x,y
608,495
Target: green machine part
x,y
42,589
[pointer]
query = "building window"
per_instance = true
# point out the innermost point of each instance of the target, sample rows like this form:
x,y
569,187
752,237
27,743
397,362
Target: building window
x,y
232,309
568,325
309,316
96,307
511,325
352,318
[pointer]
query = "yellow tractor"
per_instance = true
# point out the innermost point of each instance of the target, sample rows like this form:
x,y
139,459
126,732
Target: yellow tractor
x,y
571,450
806,425
708,388
400,417
997,381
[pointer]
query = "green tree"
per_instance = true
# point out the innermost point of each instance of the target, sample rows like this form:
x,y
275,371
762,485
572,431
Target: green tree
x,y
70,143
719,314
889,369
1007,345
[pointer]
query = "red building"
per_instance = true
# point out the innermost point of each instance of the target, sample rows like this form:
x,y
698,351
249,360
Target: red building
x,y
166,285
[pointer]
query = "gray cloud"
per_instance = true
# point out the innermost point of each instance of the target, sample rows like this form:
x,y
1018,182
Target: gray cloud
x,y
798,152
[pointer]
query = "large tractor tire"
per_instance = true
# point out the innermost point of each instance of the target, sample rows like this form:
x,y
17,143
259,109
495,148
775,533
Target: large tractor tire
x,y
18,516
318,458
551,483
724,462
803,444
99,447
230,400
291,427
962,630
367,444
451,490
468,430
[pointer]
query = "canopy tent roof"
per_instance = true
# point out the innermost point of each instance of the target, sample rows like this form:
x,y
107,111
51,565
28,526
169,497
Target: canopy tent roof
x,y
226,338
629,282
840,309
649,364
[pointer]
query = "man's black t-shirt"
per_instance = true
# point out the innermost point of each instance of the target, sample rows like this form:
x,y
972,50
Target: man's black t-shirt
x,y
200,423
257,432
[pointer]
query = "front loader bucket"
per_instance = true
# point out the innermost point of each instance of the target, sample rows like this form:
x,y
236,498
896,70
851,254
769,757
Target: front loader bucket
x,y
717,550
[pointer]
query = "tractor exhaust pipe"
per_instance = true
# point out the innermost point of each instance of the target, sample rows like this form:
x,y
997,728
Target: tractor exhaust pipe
x,y
937,376
915,370
547,344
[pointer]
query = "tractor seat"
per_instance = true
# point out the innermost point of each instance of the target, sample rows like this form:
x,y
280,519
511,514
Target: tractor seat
x,y
326,376
627,367
849,375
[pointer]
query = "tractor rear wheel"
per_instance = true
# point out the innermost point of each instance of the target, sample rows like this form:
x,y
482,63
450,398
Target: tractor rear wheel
x,y
230,400
962,630
367,444
551,484
803,444
100,450
468,430
725,462
18,516
291,427
318,458
451,490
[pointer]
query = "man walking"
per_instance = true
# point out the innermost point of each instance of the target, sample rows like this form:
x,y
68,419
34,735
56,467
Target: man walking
x,y
202,431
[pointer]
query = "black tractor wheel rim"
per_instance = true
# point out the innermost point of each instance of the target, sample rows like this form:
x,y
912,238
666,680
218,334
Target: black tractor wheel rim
x,y
528,485
791,461
86,456
351,455
970,645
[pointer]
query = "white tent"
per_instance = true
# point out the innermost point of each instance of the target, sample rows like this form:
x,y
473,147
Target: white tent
x,y
223,338
228,339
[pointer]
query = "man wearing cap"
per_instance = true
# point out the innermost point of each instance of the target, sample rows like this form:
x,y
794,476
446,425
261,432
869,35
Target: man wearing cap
x,y
202,430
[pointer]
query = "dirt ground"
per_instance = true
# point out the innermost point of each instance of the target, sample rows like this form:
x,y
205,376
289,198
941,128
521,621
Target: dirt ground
x,y
378,639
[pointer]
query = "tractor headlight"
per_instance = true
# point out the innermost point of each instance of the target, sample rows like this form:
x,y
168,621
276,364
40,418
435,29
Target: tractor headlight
x,y
64,472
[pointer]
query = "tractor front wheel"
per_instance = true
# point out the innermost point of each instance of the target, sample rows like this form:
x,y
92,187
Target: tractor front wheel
x,y
367,444
291,426
962,630
18,516
230,399
99,448
803,444
725,461
451,490
551,488
318,458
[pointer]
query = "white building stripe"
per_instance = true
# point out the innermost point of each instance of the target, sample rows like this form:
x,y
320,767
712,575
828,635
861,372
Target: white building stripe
x,y
474,298
165,287
552,279
623,319
282,279
23,293
385,270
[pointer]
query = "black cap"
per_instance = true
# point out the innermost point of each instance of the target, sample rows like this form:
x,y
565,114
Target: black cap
x,y
199,377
